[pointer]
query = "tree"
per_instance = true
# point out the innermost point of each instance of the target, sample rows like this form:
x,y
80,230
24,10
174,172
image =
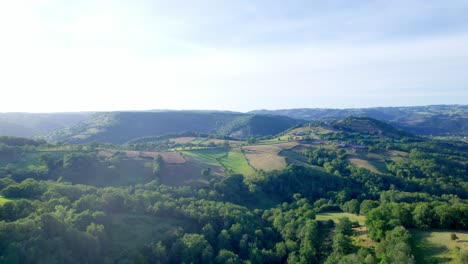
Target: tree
x,y
367,205
192,248
155,253
228,257
158,163
206,172
224,240
351,206
344,226
395,248
342,244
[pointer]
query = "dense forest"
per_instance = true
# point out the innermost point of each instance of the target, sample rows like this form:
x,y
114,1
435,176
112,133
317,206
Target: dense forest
x,y
104,203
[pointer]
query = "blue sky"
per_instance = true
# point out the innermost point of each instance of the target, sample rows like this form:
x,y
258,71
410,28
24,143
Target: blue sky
x,y
235,55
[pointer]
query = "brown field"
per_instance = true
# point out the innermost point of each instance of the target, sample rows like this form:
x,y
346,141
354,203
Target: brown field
x,y
264,161
221,141
183,140
168,157
364,164
265,157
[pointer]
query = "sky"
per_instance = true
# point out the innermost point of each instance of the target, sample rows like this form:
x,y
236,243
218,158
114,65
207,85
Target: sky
x,y
104,55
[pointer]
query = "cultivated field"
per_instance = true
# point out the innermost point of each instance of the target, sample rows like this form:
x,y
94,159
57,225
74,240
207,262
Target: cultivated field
x,y
265,157
183,140
364,164
232,160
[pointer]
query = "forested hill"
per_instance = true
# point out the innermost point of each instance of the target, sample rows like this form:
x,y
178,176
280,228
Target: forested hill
x,y
367,125
437,120
31,125
121,127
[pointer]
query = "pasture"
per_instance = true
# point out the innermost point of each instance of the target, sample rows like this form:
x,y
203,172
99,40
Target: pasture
x,y
335,216
436,246
232,160
266,157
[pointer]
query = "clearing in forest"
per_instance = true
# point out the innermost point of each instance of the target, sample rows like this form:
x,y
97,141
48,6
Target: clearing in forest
x,y
364,164
335,216
4,200
437,246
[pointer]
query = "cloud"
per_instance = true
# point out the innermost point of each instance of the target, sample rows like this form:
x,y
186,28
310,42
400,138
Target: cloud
x,y
61,56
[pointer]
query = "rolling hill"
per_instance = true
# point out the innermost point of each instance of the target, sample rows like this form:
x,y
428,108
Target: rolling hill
x,y
32,125
437,120
121,127
367,125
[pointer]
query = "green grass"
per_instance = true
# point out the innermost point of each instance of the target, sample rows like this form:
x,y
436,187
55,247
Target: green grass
x,y
232,160
436,246
236,162
4,200
206,156
335,216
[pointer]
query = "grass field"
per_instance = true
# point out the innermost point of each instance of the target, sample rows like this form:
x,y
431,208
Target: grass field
x,y
335,216
199,140
235,161
364,164
360,238
266,157
371,161
4,200
182,140
232,160
436,246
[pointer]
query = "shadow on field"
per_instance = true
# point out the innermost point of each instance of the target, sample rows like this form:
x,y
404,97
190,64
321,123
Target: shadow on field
x,y
425,252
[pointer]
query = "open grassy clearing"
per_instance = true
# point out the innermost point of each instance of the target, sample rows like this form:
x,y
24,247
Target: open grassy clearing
x,y
235,161
199,141
182,140
335,216
232,160
4,200
360,239
168,156
364,164
367,160
208,156
397,155
436,246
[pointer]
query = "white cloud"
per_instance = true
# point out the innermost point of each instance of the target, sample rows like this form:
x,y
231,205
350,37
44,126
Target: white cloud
x,y
111,57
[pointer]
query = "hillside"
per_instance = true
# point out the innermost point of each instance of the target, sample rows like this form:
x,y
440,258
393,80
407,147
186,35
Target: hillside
x,y
31,125
367,125
437,120
121,127
319,192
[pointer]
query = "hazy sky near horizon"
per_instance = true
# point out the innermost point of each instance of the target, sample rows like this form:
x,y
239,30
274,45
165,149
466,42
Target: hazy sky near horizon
x,y
99,55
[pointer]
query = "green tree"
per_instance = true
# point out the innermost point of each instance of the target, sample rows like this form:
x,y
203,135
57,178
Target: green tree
x,y
192,248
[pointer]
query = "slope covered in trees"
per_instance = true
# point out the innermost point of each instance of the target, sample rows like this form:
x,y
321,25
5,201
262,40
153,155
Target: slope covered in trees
x,y
420,120
121,127
31,125
181,199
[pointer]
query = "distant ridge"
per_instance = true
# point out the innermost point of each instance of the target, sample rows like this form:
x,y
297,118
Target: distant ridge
x,y
121,127
436,120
